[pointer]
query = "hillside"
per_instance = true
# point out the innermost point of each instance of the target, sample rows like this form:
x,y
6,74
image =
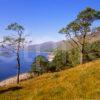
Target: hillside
x,y
81,82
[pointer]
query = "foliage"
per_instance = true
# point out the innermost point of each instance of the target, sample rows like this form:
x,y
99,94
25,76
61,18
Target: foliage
x,y
92,51
59,60
14,43
74,57
80,28
40,65
65,59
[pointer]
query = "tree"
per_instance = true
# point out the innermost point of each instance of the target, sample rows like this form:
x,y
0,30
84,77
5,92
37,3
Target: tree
x,y
39,65
93,50
73,57
65,59
15,43
60,60
79,29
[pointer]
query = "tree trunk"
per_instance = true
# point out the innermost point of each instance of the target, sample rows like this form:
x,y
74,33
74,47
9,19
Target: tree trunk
x,y
82,56
82,59
18,69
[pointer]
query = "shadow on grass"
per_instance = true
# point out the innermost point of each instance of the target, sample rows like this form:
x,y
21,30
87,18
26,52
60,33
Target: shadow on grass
x,y
10,89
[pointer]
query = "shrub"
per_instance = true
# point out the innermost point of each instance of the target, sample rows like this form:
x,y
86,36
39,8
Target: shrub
x,y
39,65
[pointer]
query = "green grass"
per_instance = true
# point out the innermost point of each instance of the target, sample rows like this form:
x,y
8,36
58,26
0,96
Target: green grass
x,y
79,83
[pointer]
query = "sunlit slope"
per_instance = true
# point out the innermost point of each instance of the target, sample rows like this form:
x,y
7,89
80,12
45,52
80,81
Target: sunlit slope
x,y
81,82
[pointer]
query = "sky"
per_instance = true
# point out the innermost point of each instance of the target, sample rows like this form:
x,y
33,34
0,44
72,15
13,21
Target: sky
x,y
42,19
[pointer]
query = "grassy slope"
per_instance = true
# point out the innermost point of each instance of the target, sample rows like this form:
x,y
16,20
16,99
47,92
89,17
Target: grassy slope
x,y
82,82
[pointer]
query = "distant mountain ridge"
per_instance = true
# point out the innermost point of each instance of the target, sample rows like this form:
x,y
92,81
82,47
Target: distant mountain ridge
x,y
43,47
50,46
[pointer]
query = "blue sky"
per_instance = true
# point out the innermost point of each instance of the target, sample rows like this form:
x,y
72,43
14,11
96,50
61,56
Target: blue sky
x,y
42,19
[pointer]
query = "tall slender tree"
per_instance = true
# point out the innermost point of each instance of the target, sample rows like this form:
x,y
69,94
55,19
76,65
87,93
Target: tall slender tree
x,y
15,43
80,29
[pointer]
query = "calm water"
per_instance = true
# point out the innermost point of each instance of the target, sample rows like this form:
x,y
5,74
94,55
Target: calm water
x,y
8,66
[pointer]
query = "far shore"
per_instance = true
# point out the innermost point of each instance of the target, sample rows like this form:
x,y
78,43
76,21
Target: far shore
x,y
12,80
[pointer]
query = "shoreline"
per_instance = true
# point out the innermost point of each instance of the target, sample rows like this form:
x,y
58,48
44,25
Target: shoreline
x,y
13,79
23,76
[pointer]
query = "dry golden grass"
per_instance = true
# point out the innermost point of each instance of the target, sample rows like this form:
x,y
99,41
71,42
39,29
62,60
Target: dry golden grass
x,y
79,83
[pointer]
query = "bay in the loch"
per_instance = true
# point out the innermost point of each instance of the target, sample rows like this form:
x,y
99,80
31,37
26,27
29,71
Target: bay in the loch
x,y
8,66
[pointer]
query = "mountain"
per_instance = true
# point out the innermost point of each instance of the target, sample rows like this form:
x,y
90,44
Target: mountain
x,y
50,46
43,47
78,83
